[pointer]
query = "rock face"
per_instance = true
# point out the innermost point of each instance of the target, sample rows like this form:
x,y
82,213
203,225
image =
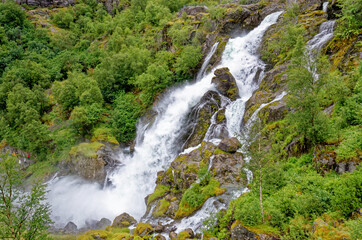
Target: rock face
x,y
124,220
229,145
91,161
192,10
199,119
24,160
225,83
47,3
223,167
274,111
325,160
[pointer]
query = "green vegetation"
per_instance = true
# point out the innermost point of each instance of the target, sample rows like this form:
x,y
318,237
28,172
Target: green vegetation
x,y
198,193
93,73
23,215
299,200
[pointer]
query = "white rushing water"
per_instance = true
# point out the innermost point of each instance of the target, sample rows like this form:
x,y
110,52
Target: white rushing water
x,y
315,45
325,6
73,199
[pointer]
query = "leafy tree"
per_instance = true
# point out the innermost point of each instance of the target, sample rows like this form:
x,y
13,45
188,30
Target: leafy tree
x,y
351,18
117,72
126,112
157,14
188,60
307,115
11,15
156,78
23,215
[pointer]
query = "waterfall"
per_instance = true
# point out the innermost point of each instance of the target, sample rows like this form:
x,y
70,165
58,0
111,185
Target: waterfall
x,y
325,6
202,71
315,45
73,199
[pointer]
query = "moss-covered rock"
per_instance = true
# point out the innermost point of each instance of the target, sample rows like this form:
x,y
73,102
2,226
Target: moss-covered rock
x,y
229,145
225,83
124,220
199,119
143,229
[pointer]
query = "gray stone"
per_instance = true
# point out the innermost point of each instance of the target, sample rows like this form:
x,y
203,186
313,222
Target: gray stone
x,y
230,145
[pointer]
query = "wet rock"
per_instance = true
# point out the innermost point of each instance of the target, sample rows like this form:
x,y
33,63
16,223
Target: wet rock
x,y
173,235
124,220
199,119
226,167
70,227
160,237
229,145
143,229
273,112
159,228
225,83
190,232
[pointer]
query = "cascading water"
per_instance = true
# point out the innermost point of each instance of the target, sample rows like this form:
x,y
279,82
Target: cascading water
x,y
73,199
315,45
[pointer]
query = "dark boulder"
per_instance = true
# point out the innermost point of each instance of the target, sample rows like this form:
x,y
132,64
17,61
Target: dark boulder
x,y
229,145
225,83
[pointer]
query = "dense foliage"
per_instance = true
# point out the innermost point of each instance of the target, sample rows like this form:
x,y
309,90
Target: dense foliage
x,y
89,70
23,215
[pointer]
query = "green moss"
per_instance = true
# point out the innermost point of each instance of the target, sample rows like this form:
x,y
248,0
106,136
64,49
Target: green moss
x,y
162,207
194,197
86,149
219,151
183,235
160,191
104,134
220,116
92,234
143,229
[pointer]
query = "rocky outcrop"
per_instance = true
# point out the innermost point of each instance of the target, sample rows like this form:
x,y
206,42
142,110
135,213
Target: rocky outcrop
x,y
192,10
47,3
223,168
239,232
229,145
143,229
91,161
325,160
225,83
25,158
124,220
273,112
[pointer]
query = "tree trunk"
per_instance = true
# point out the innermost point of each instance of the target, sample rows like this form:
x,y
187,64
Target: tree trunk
x,y
260,186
